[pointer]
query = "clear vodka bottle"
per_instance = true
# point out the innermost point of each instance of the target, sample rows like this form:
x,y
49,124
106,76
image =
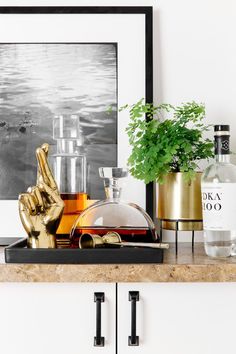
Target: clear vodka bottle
x,y
219,199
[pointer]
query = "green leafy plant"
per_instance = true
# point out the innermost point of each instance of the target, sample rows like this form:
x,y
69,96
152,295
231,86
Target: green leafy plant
x,y
161,145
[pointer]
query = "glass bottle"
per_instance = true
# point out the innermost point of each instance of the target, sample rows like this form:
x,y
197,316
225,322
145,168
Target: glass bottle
x,y
70,169
218,199
128,219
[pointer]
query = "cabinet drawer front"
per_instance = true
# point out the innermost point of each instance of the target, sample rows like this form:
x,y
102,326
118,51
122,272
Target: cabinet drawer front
x,y
55,318
178,318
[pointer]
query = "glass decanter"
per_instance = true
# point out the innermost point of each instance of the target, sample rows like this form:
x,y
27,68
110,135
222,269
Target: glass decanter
x,y
128,219
70,171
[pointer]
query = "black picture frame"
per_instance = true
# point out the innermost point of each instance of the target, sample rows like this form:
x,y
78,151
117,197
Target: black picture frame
x,y
146,10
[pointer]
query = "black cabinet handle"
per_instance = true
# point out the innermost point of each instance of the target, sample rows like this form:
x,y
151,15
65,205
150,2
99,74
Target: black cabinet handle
x,y
133,340
98,339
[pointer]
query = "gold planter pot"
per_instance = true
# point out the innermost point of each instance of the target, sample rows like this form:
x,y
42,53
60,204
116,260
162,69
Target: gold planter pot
x,y
179,203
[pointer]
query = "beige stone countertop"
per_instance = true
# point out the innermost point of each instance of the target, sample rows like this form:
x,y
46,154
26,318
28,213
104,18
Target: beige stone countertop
x,y
186,267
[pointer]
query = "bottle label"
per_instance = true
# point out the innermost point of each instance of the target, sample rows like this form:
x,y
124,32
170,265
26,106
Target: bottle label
x,y
222,145
219,206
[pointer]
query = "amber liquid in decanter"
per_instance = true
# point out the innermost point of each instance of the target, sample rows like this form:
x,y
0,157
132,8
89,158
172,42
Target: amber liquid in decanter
x,y
75,204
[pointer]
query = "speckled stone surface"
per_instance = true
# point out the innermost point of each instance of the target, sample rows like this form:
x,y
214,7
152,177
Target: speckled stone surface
x,y
186,267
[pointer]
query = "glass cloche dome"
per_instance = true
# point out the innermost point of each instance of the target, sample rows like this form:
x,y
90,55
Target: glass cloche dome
x,y
128,219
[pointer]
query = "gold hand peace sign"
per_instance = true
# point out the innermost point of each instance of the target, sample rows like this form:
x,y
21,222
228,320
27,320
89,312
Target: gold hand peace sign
x,y
41,207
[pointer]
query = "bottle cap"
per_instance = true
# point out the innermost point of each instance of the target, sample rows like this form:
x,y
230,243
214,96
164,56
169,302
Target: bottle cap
x,y
222,135
221,128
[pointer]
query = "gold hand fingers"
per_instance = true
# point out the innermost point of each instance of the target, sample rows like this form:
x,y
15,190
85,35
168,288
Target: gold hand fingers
x,y
44,147
54,196
30,203
44,168
24,214
56,208
38,199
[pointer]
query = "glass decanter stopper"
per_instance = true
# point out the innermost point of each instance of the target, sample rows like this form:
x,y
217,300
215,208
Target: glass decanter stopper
x,y
129,220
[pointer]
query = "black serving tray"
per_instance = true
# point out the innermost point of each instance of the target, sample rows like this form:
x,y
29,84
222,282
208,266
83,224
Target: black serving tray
x,y
6,241
19,253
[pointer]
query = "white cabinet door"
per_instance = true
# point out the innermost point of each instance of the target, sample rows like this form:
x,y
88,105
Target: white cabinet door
x,y
182,318
40,318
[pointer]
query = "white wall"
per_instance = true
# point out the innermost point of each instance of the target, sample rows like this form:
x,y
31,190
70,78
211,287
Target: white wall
x,y
194,51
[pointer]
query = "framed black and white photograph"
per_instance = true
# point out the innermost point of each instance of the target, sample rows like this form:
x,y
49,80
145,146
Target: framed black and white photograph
x,y
72,79
70,61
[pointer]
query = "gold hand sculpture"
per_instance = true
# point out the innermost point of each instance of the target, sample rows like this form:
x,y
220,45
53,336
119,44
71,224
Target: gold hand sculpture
x,y
41,208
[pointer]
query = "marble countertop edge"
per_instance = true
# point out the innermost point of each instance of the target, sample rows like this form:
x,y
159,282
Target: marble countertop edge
x,y
185,267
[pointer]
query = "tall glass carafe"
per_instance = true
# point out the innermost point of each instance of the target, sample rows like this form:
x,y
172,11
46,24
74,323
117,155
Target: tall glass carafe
x,y
129,220
70,169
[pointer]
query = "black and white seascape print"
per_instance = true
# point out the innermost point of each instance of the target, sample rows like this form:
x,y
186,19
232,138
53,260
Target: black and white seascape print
x,y
39,81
